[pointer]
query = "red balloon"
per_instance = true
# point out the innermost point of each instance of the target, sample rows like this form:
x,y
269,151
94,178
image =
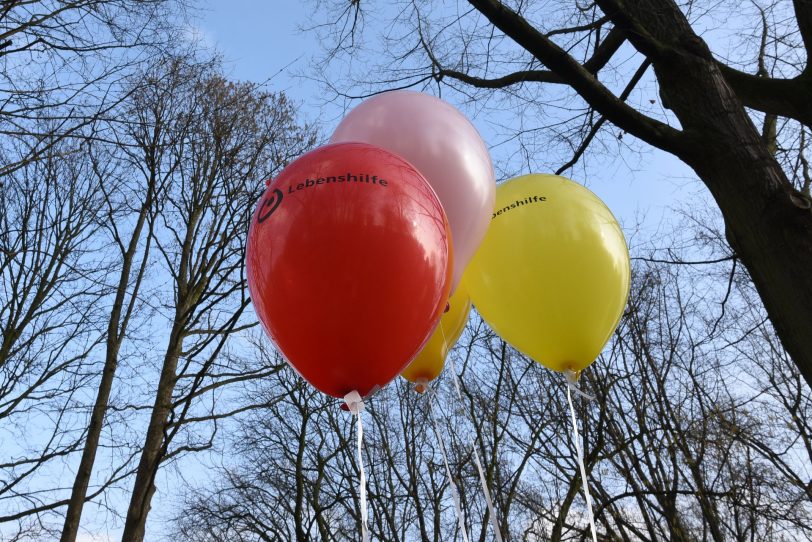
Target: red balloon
x,y
349,265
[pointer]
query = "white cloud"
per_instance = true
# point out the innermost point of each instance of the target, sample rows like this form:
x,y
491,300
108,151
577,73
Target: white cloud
x,y
199,36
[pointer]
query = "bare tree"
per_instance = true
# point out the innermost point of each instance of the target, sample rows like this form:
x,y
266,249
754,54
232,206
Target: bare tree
x,y
65,67
176,168
129,211
229,136
509,53
65,62
52,281
678,445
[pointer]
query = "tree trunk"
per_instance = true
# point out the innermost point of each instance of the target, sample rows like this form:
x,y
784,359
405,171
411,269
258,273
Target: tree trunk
x,y
115,334
80,484
154,445
768,222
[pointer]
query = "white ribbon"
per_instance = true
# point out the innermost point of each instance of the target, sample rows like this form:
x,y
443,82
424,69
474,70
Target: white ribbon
x,y
355,404
454,492
496,532
572,384
580,454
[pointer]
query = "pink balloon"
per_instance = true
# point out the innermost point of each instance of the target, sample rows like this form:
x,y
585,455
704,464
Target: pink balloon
x,y
445,147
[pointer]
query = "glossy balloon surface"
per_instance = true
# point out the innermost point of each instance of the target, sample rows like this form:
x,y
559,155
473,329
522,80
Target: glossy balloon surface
x,y
444,146
348,265
552,275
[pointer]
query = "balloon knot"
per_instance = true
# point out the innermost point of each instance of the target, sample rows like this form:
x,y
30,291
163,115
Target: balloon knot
x,y
421,385
354,402
447,306
572,384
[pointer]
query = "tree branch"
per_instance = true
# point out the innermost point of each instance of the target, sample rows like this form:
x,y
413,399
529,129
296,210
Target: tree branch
x,y
582,81
602,54
791,98
597,126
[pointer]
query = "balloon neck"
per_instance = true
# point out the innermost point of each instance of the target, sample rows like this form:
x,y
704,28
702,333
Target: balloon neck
x,y
421,385
572,376
353,402
447,307
572,384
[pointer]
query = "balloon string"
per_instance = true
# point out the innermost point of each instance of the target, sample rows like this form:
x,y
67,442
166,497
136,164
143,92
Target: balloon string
x,y
355,404
581,466
496,532
454,492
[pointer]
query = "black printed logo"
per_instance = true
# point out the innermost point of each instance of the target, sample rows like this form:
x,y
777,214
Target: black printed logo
x,y
269,205
518,203
272,200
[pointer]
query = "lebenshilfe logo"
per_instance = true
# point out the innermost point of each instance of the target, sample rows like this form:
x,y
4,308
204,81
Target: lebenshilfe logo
x,y
518,203
272,200
269,205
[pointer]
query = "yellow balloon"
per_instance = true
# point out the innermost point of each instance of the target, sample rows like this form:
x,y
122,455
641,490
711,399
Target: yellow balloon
x,y
429,362
552,274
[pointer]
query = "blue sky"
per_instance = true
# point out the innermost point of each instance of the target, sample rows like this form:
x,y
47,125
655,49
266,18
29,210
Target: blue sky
x,y
264,41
